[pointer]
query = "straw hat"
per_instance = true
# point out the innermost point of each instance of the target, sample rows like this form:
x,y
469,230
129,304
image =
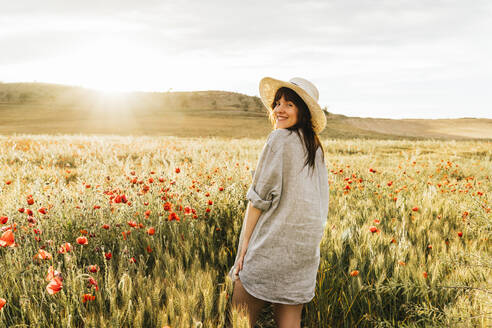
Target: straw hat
x,y
305,89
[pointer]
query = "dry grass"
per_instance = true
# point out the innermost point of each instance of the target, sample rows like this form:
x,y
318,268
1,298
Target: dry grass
x,y
39,108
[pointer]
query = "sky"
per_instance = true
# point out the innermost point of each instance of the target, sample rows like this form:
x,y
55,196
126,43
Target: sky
x,y
381,59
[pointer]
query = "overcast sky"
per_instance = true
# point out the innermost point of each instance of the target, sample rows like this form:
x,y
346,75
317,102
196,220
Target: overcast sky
x,y
389,58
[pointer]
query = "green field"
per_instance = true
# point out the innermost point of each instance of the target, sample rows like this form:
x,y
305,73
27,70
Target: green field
x,y
407,242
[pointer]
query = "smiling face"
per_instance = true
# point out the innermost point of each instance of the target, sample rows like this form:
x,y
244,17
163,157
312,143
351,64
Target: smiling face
x,y
285,113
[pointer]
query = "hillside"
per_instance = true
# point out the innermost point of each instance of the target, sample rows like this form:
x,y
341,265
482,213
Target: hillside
x,y
40,108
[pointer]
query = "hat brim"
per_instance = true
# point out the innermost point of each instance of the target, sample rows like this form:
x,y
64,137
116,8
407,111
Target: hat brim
x,y
268,88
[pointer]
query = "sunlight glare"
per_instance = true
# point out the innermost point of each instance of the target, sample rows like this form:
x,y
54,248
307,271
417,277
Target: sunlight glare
x,y
115,66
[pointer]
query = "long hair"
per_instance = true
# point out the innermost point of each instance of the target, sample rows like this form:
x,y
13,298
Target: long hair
x,y
311,140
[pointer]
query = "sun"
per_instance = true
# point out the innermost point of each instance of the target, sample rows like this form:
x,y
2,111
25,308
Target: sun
x,y
113,66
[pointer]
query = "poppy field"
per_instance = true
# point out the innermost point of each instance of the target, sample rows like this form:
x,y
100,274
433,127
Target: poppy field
x,y
141,231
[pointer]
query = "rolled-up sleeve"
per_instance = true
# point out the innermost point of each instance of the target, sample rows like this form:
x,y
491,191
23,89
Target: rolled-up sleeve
x,y
267,178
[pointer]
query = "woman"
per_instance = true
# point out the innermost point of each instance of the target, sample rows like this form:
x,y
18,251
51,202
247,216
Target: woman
x,y
278,253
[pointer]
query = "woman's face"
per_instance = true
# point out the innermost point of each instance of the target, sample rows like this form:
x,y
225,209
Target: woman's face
x,y
285,113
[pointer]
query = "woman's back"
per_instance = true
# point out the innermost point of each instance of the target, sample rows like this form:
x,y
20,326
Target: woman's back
x,y
283,253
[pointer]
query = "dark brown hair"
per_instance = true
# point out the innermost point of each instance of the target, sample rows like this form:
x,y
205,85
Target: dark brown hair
x,y
311,140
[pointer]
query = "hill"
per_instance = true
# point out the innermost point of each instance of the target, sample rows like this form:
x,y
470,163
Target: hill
x,y
41,108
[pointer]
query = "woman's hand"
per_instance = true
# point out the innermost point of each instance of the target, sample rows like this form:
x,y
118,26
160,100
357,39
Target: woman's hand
x,y
241,258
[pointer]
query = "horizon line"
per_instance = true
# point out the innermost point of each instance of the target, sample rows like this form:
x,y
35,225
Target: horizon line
x,y
208,90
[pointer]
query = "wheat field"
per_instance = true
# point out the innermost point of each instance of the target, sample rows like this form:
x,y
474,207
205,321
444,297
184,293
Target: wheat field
x,y
112,231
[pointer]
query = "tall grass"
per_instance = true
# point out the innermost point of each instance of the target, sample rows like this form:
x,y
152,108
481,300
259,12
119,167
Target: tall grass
x,y
414,270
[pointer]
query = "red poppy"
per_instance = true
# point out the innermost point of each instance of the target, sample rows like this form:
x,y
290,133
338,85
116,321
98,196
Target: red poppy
x,y
149,250
167,206
42,210
29,212
52,273
3,219
132,260
424,274
132,224
2,302
30,201
21,210
88,297
108,256
93,282
65,248
151,231
373,229
43,255
93,268
105,226
460,234
177,170
7,239
415,209
354,273
147,213
173,216
210,202
221,188
12,227
372,170
82,241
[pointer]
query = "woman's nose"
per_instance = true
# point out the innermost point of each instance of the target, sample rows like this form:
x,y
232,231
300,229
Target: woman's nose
x,y
278,109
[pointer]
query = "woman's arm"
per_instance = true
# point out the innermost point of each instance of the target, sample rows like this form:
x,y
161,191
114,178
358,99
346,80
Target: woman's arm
x,y
251,220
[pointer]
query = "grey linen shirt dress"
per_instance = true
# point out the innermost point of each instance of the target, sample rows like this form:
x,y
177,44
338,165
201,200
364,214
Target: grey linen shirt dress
x,y
282,259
